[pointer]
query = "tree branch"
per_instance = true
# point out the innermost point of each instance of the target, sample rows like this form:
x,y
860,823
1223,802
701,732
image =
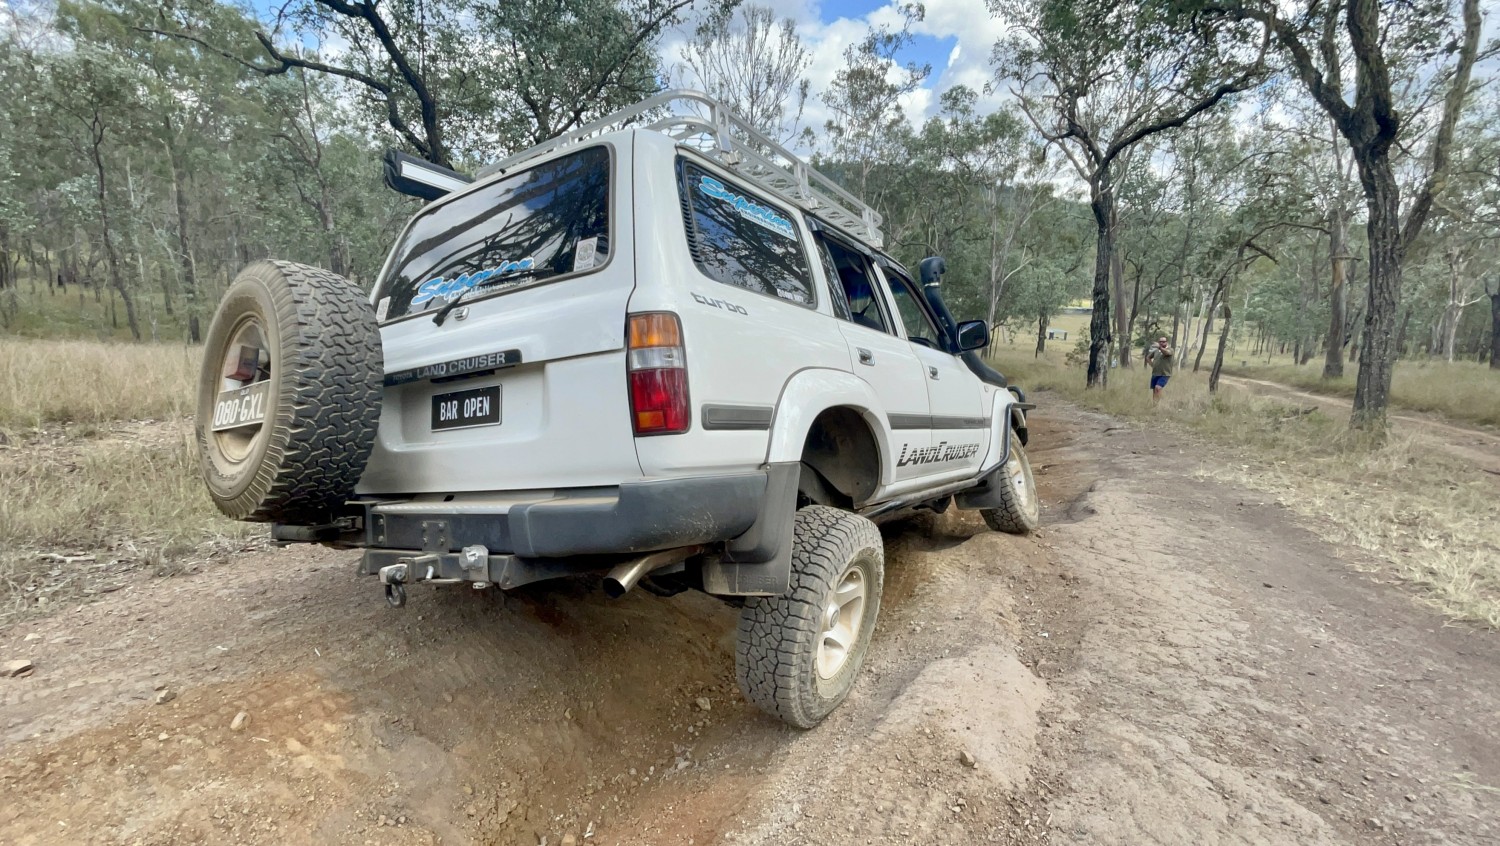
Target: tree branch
x,y
1437,177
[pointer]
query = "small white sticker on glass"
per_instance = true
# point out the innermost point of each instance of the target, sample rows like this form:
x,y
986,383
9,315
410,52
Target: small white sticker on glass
x,y
382,308
584,253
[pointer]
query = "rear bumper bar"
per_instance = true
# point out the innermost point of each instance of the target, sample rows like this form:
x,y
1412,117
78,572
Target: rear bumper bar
x,y
632,518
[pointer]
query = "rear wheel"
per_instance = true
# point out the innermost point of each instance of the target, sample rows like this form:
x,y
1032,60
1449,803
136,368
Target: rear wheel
x,y
1020,508
289,395
798,654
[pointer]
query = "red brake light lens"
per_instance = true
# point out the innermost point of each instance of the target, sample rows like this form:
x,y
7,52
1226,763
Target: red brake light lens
x,y
658,375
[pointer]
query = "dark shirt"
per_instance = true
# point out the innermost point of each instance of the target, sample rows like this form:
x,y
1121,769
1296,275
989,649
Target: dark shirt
x,y
1161,361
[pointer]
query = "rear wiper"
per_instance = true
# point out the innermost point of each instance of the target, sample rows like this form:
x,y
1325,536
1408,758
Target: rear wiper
x,y
442,313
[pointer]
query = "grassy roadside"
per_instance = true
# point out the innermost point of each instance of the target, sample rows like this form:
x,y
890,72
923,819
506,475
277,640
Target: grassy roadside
x,y
98,471
1426,517
1463,391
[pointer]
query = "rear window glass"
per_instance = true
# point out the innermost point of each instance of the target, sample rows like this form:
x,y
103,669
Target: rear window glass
x,y
548,221
741,239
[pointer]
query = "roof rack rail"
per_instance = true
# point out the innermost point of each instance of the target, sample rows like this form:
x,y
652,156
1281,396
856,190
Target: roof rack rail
x,y
736,144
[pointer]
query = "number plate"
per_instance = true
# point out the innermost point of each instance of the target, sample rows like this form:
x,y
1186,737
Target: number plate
x,y
466,409
238,407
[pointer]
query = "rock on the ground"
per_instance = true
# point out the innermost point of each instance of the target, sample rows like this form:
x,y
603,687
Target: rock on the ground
x,y
165,696
18,667
967,758
704,704
239,721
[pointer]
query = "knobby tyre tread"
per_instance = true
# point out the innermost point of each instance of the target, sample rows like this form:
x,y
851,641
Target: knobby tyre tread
x,y
1013,516
777,642
324,409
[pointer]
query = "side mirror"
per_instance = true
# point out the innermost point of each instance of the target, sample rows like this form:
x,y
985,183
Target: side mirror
x,y
973,335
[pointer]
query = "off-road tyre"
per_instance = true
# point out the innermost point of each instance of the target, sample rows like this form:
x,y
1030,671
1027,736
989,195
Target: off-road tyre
x,y
320,350
1019,512
777,649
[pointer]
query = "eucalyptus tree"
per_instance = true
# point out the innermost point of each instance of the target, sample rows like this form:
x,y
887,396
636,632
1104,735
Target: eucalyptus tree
x,y
100,103
461,78
867,125
753,62
1008,175
1412,72
1316,180
1096,77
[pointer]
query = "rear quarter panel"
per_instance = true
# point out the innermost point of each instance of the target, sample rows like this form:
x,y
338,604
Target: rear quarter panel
x,y
742,346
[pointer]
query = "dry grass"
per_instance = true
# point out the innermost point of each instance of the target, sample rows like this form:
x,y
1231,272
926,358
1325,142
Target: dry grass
x,y
1426,517
44,382
1460,390
87,503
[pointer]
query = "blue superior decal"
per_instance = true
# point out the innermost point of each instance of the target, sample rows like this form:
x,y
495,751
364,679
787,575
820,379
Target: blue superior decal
x,y
450,288
751,211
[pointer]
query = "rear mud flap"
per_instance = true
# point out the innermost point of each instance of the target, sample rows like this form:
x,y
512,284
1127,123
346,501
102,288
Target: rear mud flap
x,y
759,562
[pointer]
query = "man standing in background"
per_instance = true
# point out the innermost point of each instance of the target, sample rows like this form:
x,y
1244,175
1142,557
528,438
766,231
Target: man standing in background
x,y
1161,360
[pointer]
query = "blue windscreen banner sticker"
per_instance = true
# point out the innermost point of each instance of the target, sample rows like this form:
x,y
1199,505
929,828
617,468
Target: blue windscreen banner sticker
x,y
450,288
748,209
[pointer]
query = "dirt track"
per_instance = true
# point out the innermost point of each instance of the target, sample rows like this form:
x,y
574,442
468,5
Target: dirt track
x,y
1169,661
1481,447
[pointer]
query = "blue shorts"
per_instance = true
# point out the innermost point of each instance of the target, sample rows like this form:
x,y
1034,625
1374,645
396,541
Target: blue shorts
x,y
1158,382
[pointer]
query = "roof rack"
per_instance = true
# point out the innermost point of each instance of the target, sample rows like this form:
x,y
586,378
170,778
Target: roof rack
x,y
736,144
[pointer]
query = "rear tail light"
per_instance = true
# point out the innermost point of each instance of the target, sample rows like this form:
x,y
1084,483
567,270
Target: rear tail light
x,y
658,374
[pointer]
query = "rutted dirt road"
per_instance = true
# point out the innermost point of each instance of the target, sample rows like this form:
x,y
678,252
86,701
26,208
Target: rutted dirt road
x,y
1170,660
1480,447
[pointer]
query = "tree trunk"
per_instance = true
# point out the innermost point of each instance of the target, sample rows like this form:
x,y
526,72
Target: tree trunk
x,y
184,251
1117,275
1041,332
1452,313
1213,375
1213,306
116,281
140,256
1338,250
338,246
1102,201
1372,390
1495,330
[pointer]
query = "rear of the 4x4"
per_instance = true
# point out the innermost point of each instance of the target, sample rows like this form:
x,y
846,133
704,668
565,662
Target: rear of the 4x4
x,y
520,380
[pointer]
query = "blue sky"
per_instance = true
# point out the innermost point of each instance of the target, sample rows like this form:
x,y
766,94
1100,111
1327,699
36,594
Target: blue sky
x,y
928,48
955,37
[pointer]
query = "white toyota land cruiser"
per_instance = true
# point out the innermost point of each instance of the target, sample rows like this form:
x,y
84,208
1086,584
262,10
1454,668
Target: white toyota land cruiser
x,y
660,348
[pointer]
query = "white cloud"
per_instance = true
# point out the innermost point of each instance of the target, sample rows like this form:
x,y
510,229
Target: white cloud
x,y
967,22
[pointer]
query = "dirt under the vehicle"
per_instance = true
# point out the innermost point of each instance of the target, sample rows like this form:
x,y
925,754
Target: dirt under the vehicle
x,y
1170,660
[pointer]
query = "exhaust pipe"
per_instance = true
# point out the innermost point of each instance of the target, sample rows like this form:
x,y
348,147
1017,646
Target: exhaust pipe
x,y
625,576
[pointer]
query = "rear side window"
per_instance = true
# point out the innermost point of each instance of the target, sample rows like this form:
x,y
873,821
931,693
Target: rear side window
x,y
740,239
547,221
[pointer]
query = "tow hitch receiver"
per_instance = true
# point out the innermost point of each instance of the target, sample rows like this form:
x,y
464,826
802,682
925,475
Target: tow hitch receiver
x,y
416,568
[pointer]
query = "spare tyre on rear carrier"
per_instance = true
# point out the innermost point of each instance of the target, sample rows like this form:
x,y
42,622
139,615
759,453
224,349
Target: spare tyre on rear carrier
x,y
289,396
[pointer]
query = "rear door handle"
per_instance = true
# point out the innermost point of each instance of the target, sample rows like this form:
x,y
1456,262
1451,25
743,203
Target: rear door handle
x,y
932,371
866,357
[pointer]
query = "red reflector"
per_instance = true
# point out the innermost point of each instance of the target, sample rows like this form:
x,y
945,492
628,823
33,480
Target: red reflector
x,y
659,401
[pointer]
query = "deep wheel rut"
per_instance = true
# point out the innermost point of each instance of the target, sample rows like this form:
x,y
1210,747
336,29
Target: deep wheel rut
x,y
1169,660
